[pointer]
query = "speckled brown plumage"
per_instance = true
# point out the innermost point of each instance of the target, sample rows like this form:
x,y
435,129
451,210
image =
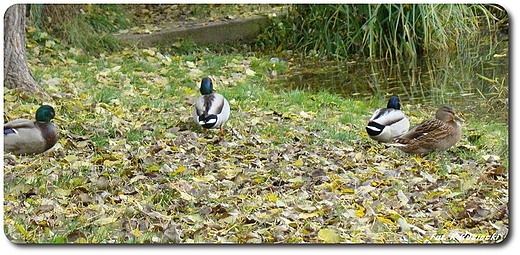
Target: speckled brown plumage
x,y
431,135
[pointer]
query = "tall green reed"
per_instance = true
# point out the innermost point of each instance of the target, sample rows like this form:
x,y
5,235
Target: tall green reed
x,y
391,31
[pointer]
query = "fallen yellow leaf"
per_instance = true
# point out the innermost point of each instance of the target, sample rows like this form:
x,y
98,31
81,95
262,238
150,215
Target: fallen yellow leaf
x,y
329,235
384,220
298,162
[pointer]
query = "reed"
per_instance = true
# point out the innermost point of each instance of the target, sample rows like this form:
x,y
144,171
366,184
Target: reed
x,y
377,31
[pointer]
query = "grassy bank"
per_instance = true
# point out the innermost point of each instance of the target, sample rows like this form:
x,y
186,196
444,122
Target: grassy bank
x,y
294,166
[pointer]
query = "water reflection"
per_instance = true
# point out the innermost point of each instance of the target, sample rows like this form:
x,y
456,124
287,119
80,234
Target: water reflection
x,y
475,81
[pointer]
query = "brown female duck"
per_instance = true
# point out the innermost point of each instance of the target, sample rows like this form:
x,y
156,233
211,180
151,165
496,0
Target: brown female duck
x,y
431,135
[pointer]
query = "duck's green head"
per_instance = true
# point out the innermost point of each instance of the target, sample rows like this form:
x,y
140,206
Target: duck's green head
x,y
45,113
393,102
206,86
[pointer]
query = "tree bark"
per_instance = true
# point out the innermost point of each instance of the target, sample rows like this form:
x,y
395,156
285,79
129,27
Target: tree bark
x,y
16,71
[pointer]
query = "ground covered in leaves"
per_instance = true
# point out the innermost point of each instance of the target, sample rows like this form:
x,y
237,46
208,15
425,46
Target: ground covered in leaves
x,y
293,166
156,17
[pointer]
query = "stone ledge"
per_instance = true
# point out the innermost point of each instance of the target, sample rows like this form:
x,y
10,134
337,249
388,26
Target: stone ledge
x,y
201,33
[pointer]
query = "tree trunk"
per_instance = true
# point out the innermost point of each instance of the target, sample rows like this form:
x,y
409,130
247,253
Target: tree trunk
x,y
16,72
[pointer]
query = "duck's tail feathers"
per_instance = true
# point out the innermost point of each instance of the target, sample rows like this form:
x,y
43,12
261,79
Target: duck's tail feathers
x,y
374,128
208,121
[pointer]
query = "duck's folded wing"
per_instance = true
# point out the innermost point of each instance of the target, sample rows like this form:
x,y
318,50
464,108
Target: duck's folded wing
x,y
387,116
433,125
18,124
199,106
215,104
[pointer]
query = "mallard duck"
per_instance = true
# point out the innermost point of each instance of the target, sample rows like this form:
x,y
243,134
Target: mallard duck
x,y
211,109
436,134
388,123
23,136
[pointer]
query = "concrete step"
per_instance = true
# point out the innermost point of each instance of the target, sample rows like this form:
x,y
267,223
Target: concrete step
x,y
244,30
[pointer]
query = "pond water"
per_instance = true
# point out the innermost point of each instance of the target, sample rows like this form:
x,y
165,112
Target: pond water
x,y
475,80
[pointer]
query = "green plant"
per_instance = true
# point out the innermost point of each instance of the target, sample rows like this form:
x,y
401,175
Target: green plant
x,y
396,31
85,26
